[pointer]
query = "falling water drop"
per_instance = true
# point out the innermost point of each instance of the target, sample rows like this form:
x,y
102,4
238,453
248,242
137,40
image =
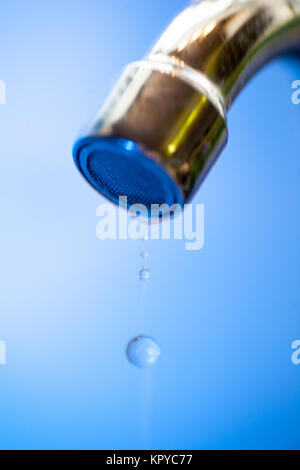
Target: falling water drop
x,y
145,255
142,351
144,274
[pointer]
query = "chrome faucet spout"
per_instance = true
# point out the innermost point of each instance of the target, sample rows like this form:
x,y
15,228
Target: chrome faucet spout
x,y
165,123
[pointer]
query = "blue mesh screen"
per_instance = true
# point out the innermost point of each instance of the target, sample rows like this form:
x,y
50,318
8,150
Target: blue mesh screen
x,y
117,167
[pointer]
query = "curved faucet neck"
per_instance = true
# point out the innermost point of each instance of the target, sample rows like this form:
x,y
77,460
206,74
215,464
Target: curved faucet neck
x,y
228,41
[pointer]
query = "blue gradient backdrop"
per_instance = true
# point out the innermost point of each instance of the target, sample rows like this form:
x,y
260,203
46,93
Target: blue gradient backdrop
x,y
225,317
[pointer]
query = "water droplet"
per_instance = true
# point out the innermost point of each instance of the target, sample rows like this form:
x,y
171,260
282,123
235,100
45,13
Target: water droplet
x,y
145,255
144,274
142,351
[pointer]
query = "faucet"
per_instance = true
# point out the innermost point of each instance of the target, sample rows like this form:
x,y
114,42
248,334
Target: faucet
x,y
165,123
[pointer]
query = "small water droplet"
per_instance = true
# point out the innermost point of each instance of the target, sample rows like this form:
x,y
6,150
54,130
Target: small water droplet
x,y
142,351
144,274
145,255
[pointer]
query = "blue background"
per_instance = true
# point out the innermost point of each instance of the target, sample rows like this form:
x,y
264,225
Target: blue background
x,y
225,317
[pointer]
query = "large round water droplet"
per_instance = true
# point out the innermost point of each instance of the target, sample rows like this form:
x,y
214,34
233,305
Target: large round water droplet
x,y
144,274
143,351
